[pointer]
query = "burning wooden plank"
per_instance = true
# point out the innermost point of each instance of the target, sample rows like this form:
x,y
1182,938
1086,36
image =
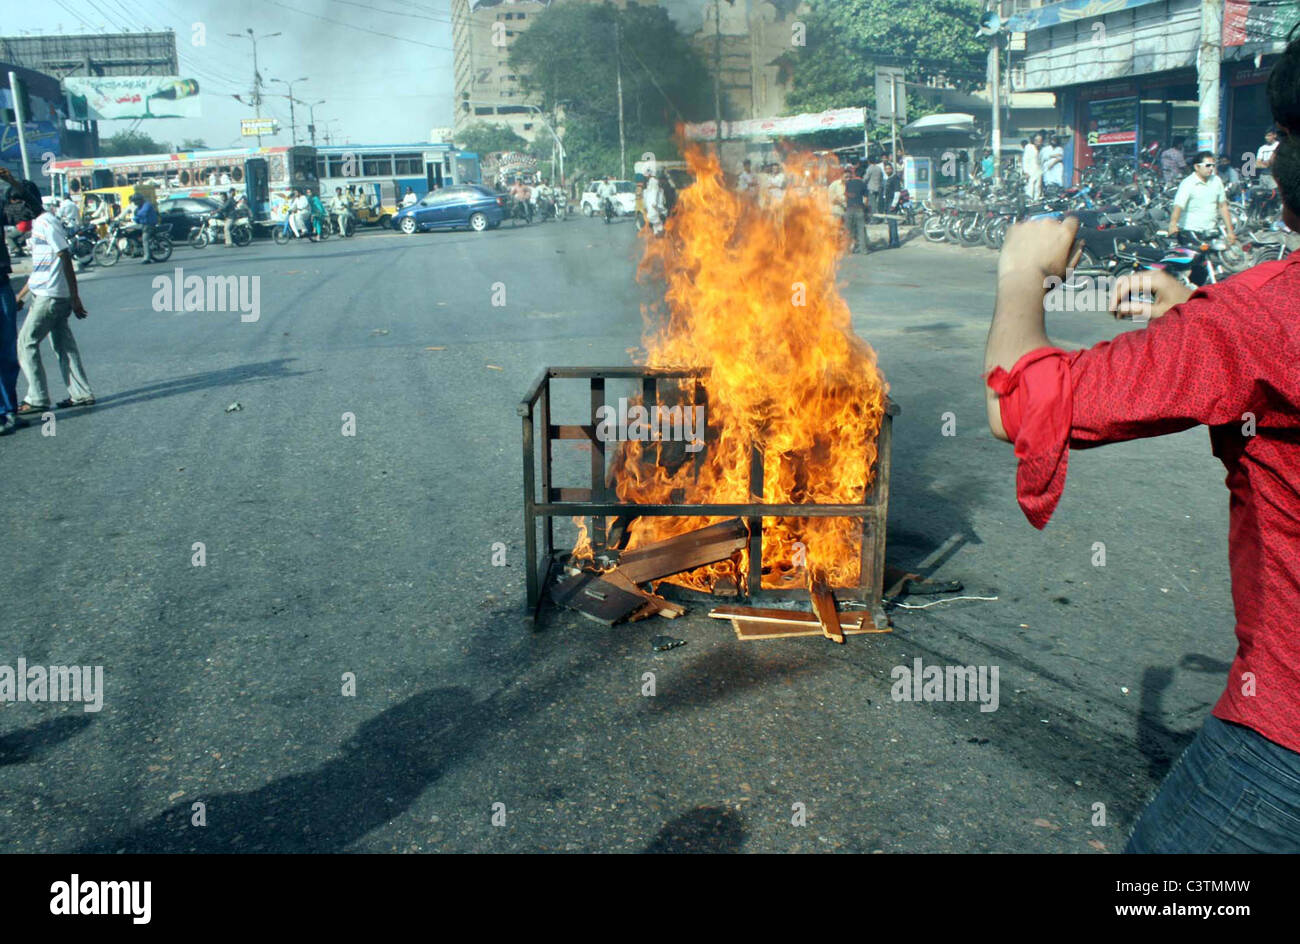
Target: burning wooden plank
x,y
653,604
598,599
752,622
828,616
683,552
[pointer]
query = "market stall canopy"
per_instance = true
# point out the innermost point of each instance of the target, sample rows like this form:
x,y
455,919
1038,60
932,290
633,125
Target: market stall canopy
x,y
953,123
951,130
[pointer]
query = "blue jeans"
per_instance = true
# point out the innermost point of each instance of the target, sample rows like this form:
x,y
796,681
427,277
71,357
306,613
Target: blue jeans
x,y
8,349
1233,790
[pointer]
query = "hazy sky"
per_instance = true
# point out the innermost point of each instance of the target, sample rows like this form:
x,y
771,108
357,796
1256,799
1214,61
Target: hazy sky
x,y
382,89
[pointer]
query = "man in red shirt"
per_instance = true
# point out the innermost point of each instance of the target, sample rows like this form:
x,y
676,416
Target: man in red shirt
x,y
1226,356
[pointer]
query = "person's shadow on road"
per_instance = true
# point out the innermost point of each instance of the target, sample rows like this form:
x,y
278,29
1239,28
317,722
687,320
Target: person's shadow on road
x,y
383,768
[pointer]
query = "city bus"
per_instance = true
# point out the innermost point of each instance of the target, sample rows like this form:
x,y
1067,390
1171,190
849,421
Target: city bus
x,y
380,173
261,173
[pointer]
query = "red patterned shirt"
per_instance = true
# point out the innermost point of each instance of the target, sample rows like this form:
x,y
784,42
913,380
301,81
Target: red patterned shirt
x,y
1228,358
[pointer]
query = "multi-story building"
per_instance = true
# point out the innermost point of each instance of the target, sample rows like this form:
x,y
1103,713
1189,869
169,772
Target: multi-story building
x,y
754,33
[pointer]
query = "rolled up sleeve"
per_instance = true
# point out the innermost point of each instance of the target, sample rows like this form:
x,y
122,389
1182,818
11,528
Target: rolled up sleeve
x,y
1202,363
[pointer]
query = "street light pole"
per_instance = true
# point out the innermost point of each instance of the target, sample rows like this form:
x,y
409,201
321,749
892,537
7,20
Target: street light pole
x,y
257,77
293,124
311,117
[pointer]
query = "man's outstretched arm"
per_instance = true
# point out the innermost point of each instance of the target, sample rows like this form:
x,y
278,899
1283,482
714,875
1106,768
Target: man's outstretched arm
x,y
1031,254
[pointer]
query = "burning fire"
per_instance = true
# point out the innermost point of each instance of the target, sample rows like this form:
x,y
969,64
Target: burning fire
x,y
751,295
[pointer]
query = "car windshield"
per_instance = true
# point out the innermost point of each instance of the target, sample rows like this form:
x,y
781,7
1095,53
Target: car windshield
x,y
625,186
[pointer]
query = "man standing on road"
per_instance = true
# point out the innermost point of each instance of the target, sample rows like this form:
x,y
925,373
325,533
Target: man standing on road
x,y
53,286
1053,166
1201,201
874,179
891,189
146,216
1223,356
654,205
855,216
746,182
1031,163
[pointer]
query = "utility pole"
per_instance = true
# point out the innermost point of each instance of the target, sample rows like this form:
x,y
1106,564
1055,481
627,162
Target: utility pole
x,y
17,94
618,64
1208,56
311,119
257,76
293,121
717,76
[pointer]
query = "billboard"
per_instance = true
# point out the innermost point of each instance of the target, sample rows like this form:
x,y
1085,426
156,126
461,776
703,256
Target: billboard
x,y
131,96
253,127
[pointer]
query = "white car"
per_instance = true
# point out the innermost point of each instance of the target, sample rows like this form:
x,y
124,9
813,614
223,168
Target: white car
x,y
624,198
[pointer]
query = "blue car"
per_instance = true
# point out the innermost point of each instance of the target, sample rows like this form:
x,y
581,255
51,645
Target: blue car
x,y
470,206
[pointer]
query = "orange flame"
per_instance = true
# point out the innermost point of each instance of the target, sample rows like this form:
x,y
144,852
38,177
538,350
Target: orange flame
x,y
751,296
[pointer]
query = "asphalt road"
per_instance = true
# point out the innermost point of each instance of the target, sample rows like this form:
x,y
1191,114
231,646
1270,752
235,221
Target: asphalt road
x,y
371,554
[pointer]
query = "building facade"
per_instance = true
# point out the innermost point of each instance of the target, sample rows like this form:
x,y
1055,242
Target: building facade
x,y
1125,71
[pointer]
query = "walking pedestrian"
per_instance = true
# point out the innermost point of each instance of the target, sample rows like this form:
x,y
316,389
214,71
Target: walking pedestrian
x,y
53,287
1264,158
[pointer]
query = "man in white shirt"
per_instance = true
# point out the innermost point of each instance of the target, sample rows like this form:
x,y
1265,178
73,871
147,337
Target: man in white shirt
x,y
1201,200
1054,164
1264,159
605,191
53,286
1032,166
746,182
654,205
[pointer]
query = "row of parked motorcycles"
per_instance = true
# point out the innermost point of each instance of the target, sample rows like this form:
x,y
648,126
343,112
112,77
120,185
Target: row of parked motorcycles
x,y
1123,227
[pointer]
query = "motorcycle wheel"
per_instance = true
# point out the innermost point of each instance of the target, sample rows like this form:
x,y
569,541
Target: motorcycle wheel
x,y
996,232
972,232
83,250
241,235
160,250
324,233
952,229
199,240
281,235
933,228
106,253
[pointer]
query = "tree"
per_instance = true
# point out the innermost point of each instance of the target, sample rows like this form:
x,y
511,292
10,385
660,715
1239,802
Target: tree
x,y
847,39
194,144
485,138
571,57
131,142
